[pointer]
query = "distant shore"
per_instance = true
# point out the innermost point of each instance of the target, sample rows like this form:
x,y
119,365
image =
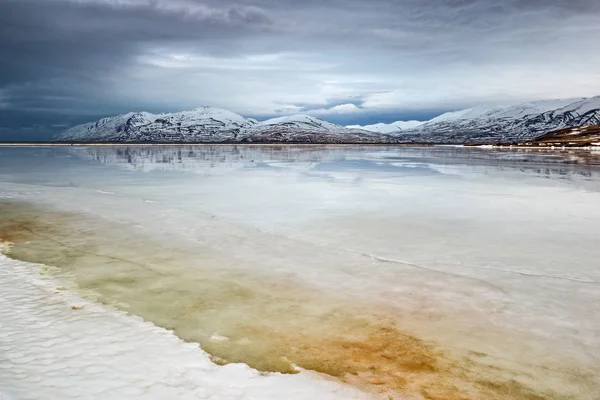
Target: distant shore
x,y
213,144
529,145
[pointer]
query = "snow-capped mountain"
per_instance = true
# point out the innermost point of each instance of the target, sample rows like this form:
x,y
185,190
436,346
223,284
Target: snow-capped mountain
x,y
515,123
301,121
208,124
204,124
388,128
304,128
481,124
107,128
496,124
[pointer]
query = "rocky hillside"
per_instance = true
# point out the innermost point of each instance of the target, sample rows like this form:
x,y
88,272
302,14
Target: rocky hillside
x,y
517,123
570,137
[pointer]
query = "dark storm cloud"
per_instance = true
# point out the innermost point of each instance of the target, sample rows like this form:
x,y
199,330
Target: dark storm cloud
x,y
50,37
342,60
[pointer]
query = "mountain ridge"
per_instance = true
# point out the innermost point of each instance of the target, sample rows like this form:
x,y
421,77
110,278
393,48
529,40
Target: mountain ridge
x,y
480,124
209,125
505,124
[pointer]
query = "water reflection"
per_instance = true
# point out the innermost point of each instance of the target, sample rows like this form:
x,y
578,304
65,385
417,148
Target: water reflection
x,y
562,164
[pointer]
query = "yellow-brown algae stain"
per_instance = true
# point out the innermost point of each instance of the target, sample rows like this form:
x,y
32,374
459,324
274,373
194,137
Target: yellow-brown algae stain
x,y
382,359
272,325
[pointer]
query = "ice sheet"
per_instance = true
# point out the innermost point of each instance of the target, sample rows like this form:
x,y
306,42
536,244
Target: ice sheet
x,y
479,251
56,345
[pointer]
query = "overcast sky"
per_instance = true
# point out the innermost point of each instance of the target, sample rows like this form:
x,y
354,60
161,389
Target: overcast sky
x,y
64,62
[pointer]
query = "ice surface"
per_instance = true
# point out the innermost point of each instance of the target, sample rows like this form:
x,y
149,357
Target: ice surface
x,y
56,345
474,251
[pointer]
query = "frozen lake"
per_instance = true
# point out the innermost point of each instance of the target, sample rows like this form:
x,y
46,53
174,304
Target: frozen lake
x,y
400,272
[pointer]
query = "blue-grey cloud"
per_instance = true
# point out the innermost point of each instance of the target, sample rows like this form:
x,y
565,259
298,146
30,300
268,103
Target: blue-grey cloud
x,y
347,61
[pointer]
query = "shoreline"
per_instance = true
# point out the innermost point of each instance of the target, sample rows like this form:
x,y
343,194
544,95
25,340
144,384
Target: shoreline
x,y
209,144
591,147
46,326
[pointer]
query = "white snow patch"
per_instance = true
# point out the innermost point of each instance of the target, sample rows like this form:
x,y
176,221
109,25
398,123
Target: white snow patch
x,y
388,128
50,350
302,121
290,119
582,106
460,114
516,111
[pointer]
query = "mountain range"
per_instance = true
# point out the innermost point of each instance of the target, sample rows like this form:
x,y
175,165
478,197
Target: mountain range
x,y
212,125
478,125
505,124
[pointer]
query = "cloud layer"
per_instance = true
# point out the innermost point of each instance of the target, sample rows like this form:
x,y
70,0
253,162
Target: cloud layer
x,y
351,61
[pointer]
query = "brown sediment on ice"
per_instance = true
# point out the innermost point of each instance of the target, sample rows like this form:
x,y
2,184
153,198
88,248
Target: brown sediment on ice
x,y
270,323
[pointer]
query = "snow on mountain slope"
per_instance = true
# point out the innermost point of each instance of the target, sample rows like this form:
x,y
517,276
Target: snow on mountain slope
x,y
302,121
204,124
106,128
307,129
202,114
208,124
490,123
511,111
480,124
468,113
506,124
531,108
581,106
387,128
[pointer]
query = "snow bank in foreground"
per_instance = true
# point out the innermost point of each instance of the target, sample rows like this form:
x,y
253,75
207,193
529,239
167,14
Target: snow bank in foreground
x,y
55,345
